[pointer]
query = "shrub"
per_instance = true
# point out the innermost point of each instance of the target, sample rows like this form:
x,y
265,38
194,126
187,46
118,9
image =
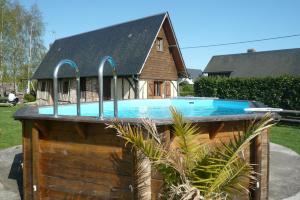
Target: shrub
x,y
186,89
29,98
283,91
192,171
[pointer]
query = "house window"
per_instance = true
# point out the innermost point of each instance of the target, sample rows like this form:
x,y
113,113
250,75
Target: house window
x,y
157,88
65,89
159,44
83,84
43,86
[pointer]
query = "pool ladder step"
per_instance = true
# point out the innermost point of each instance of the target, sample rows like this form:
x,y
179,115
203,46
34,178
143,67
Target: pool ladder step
x,y
74,66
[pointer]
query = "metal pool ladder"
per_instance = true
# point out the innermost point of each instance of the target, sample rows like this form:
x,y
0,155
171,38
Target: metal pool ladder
x,y
100,82
55,85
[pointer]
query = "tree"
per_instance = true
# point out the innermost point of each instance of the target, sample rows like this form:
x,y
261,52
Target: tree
x,y
16,41
193,171
3,30
35,49
21,44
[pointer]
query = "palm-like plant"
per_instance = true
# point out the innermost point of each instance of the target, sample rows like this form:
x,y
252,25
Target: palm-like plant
x,y
194,171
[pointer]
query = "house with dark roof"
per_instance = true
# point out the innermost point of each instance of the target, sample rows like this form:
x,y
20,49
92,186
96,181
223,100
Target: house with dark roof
x,y
193,74
256,64
148,57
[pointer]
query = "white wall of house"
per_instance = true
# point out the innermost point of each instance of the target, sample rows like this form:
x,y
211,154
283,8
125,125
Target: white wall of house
x,y
143,89
174,90
128,91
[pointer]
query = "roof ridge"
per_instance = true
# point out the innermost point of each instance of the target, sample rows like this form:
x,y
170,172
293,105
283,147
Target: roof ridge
x,y
257,52
110,26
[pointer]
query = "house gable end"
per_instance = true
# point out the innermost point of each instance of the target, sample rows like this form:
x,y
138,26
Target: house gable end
x,y
163,65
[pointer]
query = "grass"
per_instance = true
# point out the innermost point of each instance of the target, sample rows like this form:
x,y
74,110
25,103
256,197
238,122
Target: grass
x,y
286,135
10,130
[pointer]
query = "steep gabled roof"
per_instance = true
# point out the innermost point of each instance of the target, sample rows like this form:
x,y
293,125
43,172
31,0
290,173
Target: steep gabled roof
x,y
257,64
128,43
194,73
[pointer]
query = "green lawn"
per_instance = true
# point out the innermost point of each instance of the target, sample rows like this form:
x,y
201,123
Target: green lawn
x,y
10,130
286,135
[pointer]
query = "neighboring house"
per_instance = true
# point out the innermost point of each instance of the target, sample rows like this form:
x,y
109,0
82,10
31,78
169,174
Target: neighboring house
x,y
149,62
193,74
256,64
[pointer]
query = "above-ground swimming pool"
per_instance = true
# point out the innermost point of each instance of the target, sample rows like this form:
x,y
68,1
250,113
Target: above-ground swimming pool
x,y
156,108
70,156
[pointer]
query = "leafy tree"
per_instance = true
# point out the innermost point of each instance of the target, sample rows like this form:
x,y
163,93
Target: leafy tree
x,y
21,44
35,49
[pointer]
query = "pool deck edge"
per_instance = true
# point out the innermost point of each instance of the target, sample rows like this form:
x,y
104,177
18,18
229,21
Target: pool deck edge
x,y
31,113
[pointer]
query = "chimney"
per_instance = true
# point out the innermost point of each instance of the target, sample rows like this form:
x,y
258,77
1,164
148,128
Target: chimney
x,y
251,50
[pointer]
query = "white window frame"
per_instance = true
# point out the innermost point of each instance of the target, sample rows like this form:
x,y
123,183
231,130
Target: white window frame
x,y
159,44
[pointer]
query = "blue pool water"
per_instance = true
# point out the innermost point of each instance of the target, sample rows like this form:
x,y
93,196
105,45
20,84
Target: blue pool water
x,y
155,108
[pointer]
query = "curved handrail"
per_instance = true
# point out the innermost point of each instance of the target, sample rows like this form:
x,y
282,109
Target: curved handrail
x,y
100,82
55,85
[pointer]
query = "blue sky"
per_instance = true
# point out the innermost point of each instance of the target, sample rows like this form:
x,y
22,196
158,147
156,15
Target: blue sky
x,y
195,22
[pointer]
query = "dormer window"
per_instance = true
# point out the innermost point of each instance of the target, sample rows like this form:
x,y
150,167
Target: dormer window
x,y
159,44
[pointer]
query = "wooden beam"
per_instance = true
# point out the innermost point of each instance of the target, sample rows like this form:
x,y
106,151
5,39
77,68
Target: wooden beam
x,y
80,130
123,88
131,85
214,128
136,92
42,128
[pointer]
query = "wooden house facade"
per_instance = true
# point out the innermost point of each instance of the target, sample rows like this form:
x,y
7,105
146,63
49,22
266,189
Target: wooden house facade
x,y
149,62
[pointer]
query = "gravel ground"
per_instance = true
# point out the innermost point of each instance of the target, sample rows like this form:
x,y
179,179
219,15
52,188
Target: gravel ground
x,y
10,173
284,173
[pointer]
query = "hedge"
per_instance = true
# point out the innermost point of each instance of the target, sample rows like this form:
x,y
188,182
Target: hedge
x,y
186,90
282,92
29,98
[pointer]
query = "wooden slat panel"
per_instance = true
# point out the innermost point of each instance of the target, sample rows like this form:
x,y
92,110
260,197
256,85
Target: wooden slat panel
x,y
88,175
160,65
95,134
174,50
105,158
84,190
52,194
108,168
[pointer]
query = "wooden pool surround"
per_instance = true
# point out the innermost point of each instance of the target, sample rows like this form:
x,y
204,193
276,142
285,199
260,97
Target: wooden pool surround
x,y
79,158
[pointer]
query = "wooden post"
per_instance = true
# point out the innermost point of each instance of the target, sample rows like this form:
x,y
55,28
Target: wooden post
x,y
27,162
260,157
255,156
137,90
264,163
35,162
